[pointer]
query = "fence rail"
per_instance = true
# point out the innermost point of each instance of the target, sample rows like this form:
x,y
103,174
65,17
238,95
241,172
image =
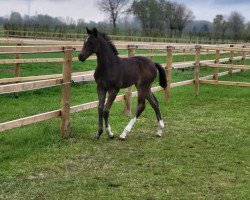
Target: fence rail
x,y
67,77
216,67
76,36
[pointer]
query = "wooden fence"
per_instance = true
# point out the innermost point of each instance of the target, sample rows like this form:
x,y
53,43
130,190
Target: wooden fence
x,y
80,36
216,67
65,79
183,50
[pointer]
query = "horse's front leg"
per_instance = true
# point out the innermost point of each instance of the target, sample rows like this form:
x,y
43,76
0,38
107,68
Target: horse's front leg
x,y
111,98
101,95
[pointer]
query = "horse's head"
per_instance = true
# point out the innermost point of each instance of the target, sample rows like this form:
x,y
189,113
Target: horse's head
x,y
90,46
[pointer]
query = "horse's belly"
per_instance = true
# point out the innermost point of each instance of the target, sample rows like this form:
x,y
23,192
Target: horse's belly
x,y
126,85
128,80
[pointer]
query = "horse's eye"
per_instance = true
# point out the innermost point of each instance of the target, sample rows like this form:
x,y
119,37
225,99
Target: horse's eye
x,y
92,43
88,44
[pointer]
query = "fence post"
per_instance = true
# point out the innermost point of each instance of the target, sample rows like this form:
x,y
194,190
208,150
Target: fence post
x,y
66,88
243,57
17,70
184,55
128,93
197,68
231,60
168,70
8,34
151,52
217,61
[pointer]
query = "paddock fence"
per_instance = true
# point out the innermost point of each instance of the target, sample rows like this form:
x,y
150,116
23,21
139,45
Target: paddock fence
x,y
79,36
66,78
181,50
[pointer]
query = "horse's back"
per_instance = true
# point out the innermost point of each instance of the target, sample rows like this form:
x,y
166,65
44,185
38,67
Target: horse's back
x,y
137,70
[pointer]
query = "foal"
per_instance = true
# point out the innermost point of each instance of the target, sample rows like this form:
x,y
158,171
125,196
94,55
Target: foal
x,y
113,73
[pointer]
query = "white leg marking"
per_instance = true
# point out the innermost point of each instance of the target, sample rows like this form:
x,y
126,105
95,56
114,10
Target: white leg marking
x,y
128,128
160,128
110,134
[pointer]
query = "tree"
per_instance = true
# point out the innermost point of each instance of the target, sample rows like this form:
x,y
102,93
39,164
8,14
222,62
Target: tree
x,y
219,27
81,22
15,17
184,15
14,22
179,17
2,20
147,11
246,33
235,25
114,8
165,14
154,15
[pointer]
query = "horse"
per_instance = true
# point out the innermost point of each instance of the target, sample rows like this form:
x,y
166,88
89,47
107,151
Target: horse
x,y
113,73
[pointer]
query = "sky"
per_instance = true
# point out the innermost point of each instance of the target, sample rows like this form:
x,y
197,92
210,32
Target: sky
x,y
87,9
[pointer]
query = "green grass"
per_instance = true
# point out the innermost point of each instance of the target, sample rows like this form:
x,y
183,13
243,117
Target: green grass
x,y
204,153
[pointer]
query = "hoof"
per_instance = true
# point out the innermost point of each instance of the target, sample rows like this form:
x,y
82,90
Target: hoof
x,y
97,137
158,135
121,138
111,137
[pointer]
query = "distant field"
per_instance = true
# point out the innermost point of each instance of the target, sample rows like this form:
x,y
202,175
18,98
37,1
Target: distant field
x,y
204,153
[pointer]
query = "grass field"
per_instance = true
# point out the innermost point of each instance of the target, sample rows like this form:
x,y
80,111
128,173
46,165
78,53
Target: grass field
x,y
204,153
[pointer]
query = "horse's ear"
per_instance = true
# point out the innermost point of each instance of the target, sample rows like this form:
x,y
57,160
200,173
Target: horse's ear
x,y
88,31
95,31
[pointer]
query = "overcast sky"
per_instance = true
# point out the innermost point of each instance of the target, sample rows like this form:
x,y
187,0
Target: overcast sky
x,y
87,9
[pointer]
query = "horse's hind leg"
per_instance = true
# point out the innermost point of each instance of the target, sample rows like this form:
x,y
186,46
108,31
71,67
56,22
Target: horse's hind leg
x,y
140,108
111,98
154,103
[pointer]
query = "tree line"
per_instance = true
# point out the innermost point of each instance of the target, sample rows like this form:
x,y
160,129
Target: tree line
x,y
232,27
159,18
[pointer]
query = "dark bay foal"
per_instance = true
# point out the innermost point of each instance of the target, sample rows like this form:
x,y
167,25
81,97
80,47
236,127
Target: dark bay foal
x,y
113,73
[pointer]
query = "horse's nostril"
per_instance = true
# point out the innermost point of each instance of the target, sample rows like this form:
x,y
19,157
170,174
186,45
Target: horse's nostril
x,y
80,57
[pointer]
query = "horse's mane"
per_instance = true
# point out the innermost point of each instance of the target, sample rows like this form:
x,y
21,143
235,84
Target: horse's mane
x,y
110,42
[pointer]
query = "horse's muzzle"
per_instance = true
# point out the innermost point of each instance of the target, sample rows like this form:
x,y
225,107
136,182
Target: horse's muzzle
x,y
81,58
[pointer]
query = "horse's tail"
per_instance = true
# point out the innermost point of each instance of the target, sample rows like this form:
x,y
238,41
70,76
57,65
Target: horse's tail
x,y
162,75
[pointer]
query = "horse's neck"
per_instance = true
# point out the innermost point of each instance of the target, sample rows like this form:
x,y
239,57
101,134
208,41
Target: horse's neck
x,y
106,58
